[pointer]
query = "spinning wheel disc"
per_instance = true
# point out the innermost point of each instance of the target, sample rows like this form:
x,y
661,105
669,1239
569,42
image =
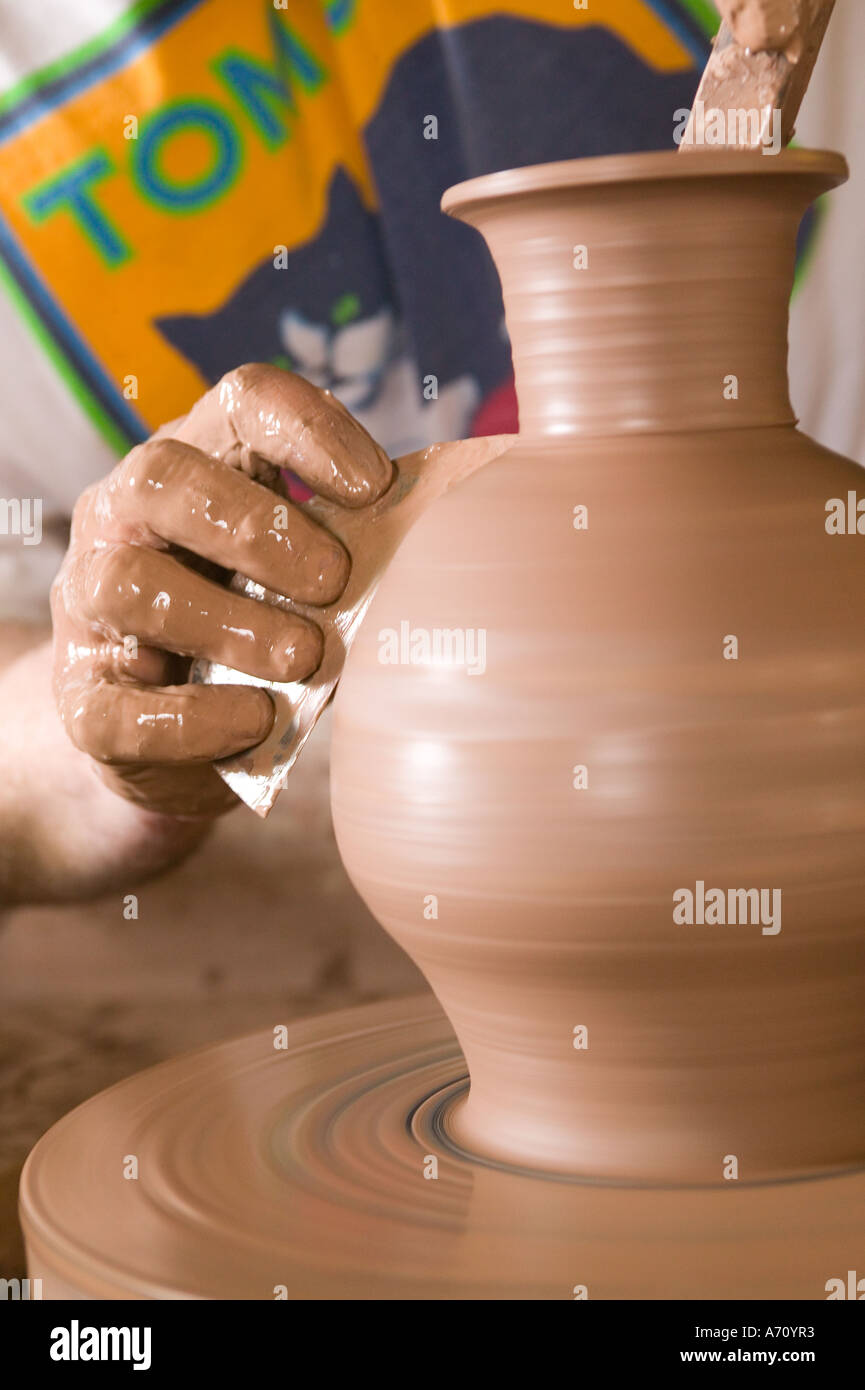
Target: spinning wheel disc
x,y
324,1170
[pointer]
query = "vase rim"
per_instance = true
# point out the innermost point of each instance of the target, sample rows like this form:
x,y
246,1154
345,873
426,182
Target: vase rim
x,y
828,166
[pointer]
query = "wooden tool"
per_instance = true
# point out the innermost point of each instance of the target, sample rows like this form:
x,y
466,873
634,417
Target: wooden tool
x,y
757,74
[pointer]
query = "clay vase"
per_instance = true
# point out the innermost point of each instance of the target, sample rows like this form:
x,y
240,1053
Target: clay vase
x,y
672,698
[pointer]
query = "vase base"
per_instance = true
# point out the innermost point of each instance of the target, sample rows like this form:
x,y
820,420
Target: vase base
x,y
323,1167
457,1136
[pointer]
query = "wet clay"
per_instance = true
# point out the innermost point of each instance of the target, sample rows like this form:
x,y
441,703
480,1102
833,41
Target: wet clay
x,y
143,579
778,26
372,538
304,1168
673,695
758,72
262,417
608,554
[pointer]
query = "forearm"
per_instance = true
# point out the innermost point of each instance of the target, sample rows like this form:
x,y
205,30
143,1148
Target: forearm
x,y
63,835
18,865
17,638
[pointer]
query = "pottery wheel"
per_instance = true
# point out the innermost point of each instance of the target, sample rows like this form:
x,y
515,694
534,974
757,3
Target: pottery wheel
x,y
301,1170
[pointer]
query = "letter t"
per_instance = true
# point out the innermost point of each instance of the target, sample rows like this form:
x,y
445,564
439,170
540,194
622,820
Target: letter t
x,y
71,190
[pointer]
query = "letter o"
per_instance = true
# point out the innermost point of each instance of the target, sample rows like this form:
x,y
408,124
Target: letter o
x,y
176,118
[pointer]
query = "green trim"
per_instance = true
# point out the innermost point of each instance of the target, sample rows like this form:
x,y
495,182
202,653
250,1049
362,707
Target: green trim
x,y
78,56
803,265
704,13
91,407
346,308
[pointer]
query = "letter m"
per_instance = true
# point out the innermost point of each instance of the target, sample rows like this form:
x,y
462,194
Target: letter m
x,y
116,1343
747,906
743,127
453,646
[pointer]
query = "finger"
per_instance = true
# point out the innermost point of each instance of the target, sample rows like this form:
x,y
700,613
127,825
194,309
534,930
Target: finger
x,y
185,497
260,409
130,590
184,789
120,724
129,658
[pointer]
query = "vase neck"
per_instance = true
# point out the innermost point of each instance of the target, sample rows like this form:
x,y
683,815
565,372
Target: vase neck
x,y
658,304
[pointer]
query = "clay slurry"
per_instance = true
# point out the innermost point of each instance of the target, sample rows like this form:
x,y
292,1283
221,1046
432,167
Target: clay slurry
x,y
141,583
372,537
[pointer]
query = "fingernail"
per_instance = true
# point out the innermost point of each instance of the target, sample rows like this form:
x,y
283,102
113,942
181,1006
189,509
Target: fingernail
x,y
375,473
303,653
257,716
332,576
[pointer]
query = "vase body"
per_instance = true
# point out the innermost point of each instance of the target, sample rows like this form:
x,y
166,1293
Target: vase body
x,y
668,698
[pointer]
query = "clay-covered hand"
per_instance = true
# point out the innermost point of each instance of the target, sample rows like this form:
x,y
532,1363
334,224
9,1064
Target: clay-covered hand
x,y
142,587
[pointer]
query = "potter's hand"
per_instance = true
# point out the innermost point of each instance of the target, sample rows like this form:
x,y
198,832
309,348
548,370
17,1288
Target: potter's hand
x,y
141,588
63,835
